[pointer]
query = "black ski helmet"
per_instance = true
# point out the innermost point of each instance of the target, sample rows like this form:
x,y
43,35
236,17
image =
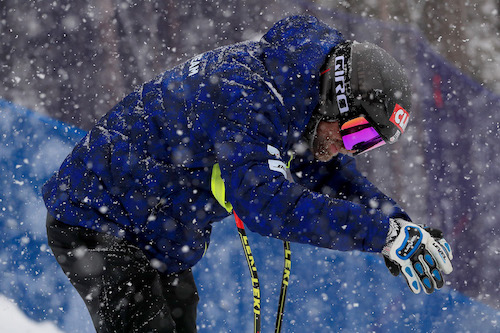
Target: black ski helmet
x,y
362,79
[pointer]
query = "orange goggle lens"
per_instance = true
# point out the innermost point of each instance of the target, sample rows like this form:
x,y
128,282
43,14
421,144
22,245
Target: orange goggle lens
x,y
359,135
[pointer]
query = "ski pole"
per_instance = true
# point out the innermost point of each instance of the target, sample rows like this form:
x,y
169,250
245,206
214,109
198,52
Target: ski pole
x,y
253,272
255,279
284,285
286,269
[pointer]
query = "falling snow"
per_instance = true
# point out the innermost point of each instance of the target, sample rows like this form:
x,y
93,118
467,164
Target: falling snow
x,y
73,61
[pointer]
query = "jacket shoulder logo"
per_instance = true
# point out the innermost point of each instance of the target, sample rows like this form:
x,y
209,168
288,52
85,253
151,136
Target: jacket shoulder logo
x,y
194,65
276,165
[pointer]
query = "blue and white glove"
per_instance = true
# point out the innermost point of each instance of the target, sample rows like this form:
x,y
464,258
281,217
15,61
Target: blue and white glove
x,y
420,253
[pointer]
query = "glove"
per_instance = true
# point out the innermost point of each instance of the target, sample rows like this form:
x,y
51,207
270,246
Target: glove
x,y
420,253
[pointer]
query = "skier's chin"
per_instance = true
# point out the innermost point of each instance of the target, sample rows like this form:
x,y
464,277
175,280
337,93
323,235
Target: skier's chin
x,y
325,158
326,154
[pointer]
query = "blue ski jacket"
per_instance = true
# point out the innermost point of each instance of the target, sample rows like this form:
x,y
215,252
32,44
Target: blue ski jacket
x,y
151,169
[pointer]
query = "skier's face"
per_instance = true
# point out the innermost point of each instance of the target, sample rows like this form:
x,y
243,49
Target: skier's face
x,y
328,142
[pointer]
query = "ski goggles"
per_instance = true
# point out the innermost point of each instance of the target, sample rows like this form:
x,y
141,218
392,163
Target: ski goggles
x,y
360,136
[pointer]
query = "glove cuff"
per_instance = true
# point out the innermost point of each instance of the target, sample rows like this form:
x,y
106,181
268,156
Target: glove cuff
x,y
395,226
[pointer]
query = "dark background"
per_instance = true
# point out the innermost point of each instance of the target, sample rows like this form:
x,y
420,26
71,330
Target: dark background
x,y
74,60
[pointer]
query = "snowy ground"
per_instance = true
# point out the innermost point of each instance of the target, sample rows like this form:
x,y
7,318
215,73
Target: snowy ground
x,y
14,320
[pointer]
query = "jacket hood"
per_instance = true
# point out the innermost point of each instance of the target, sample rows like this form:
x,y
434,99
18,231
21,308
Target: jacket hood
x,y
294,50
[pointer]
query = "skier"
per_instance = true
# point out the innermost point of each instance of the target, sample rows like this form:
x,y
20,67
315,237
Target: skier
x,y
131,209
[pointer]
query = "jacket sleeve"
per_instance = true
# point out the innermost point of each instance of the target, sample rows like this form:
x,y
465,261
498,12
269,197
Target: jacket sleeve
x,y
339,178
250,146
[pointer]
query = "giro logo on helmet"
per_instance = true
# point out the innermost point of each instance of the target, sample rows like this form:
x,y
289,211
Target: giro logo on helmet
x,y
400,117
340,87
